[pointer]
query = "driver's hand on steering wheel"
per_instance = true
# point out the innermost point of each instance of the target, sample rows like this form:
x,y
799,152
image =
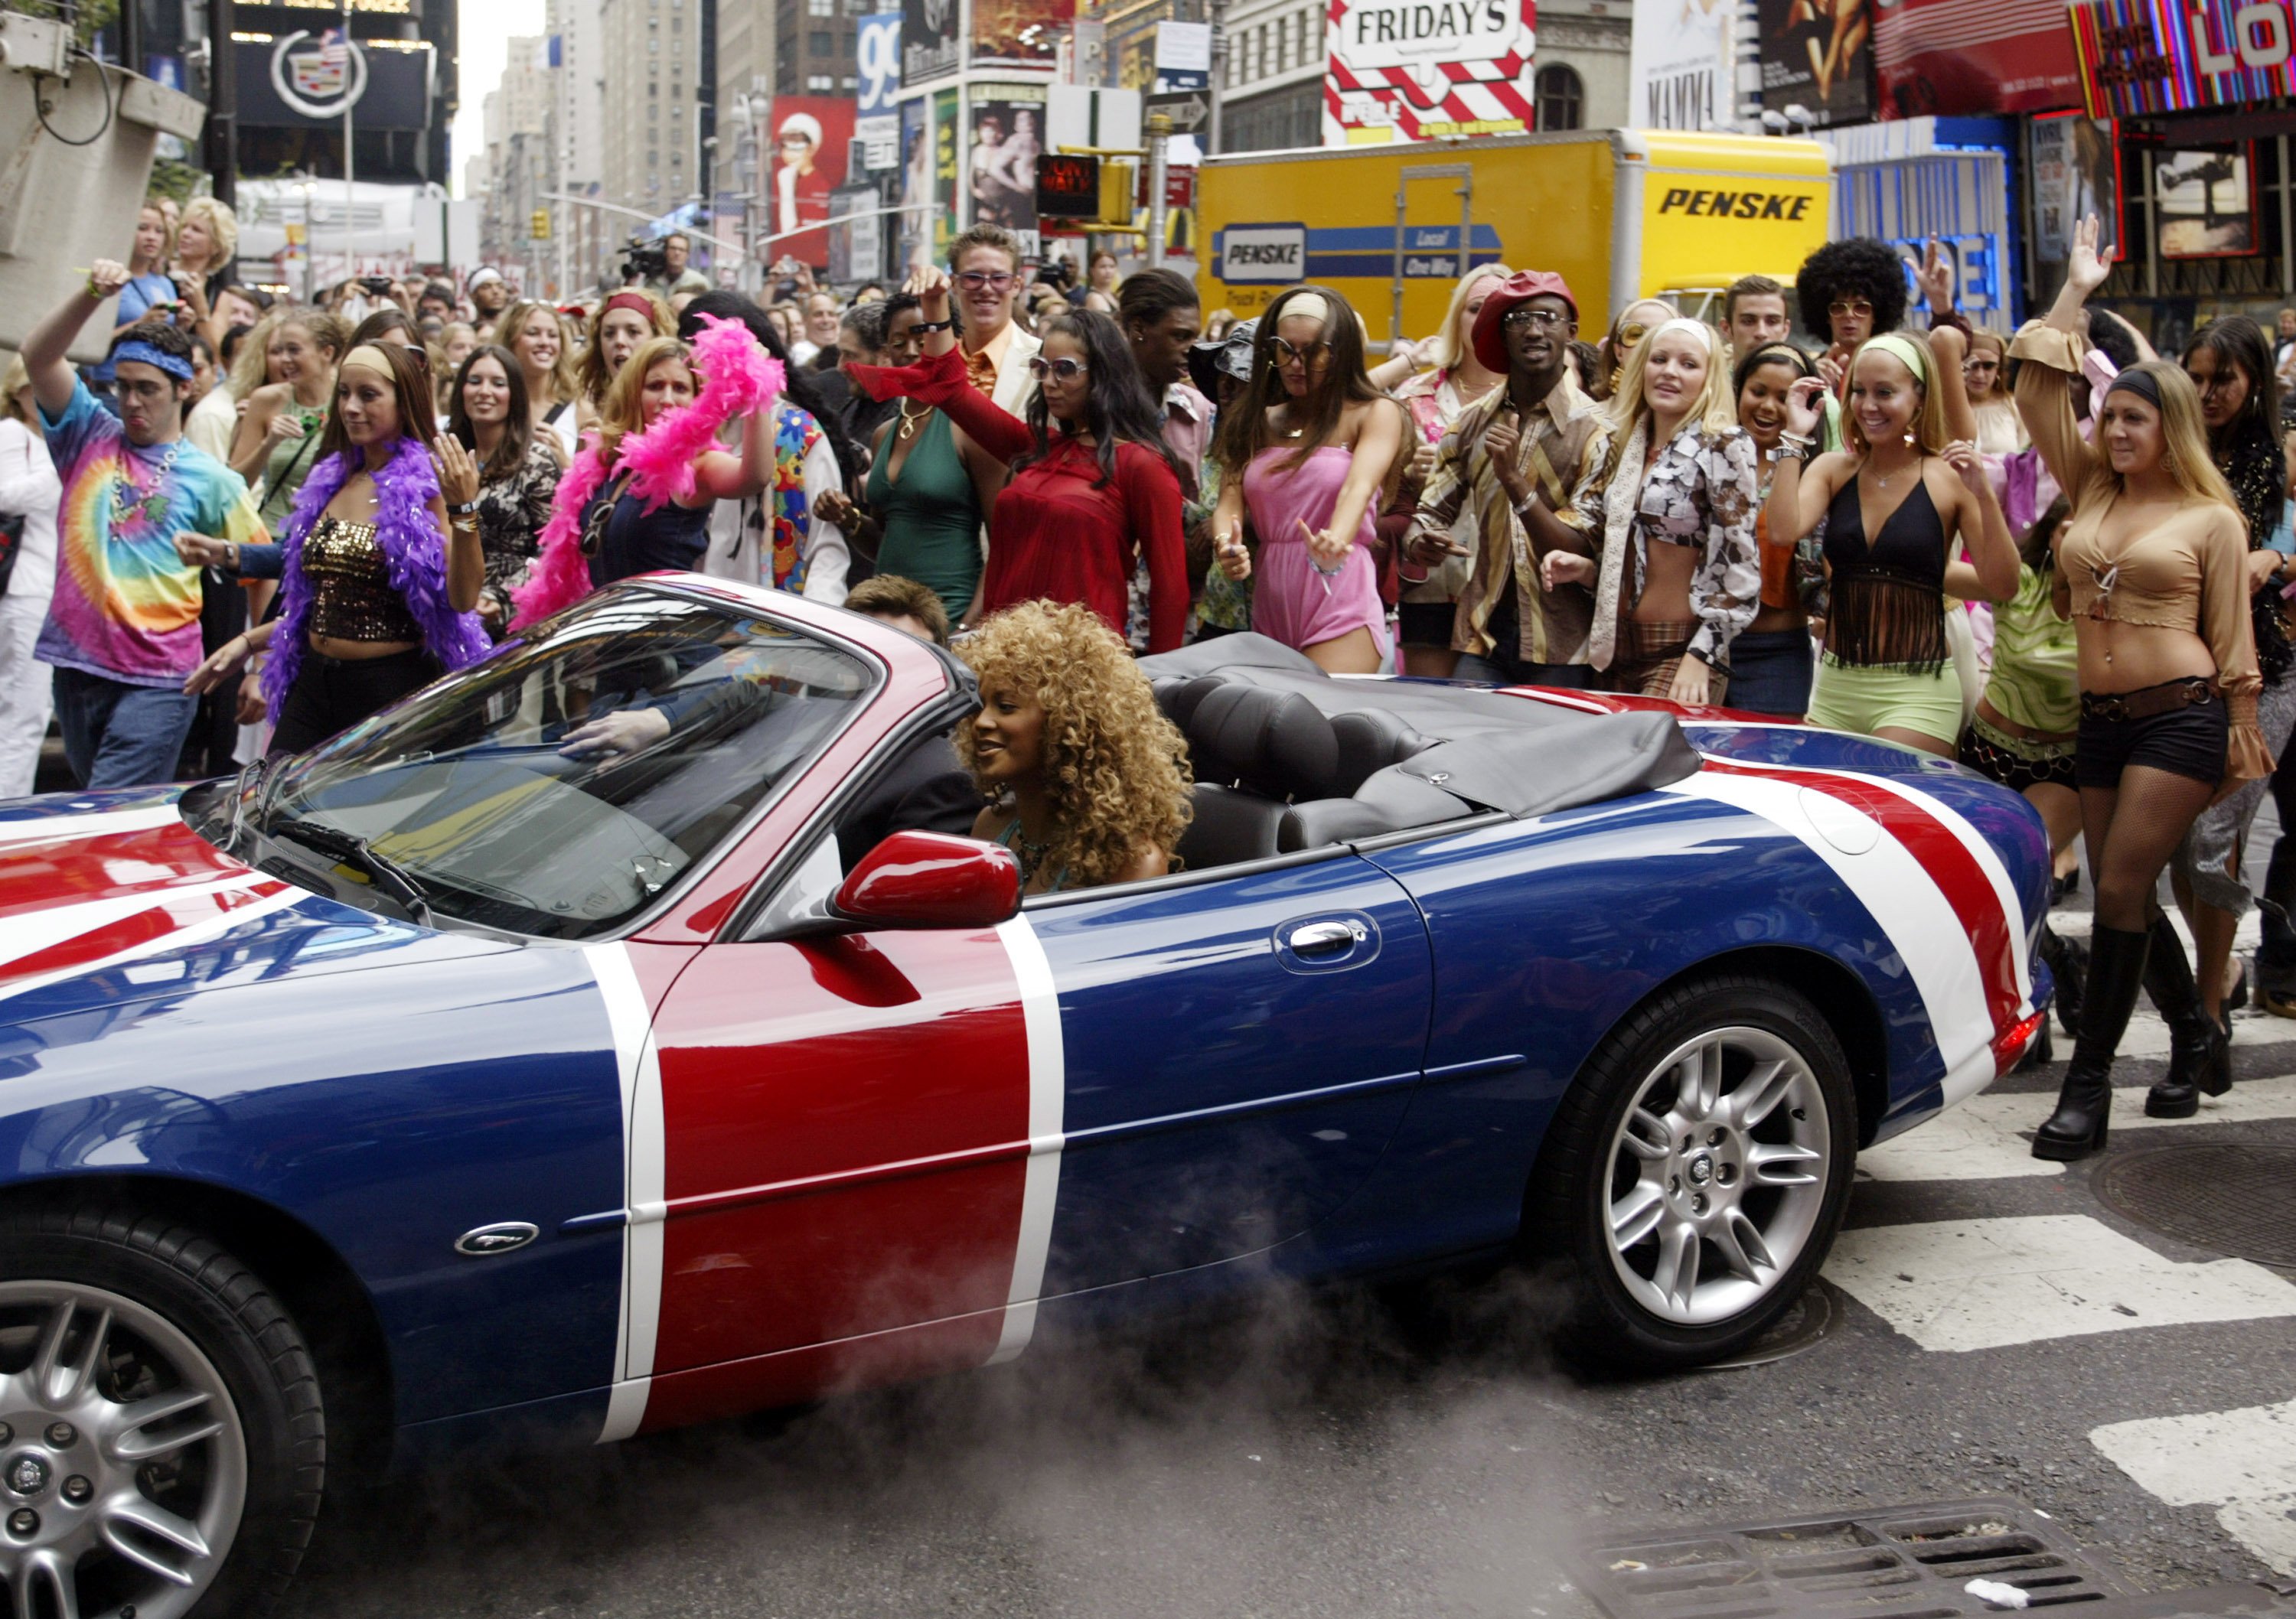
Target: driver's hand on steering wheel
x,y
622,733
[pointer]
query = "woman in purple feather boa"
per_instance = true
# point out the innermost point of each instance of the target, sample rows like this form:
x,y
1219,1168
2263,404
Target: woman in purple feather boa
x,y
383,563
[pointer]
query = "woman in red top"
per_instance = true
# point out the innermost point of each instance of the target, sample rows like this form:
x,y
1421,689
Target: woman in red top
x,y
1092,488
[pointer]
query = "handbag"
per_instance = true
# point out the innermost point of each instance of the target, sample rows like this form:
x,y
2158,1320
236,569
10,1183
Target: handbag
x,y
601,513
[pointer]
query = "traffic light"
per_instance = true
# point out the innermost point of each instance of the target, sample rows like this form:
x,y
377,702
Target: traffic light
x,y
1086,190
1068,187
538,225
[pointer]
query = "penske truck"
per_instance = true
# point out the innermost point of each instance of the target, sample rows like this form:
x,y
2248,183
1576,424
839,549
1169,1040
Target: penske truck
x,y
1621,214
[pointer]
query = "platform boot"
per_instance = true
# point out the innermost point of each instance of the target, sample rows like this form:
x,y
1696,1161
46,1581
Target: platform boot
x,y
2067,964
2115,968
2199,1056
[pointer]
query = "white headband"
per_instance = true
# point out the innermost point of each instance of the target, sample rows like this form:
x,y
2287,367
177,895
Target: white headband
x,y
1683,322
1313,305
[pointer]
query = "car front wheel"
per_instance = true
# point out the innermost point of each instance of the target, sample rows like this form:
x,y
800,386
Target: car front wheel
x,y
161,1437
1697,1172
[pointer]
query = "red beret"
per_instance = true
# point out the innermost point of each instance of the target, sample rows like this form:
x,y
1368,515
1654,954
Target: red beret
x,y
1521,287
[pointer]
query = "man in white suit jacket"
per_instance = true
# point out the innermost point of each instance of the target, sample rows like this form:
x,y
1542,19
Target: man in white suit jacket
x,y
986,263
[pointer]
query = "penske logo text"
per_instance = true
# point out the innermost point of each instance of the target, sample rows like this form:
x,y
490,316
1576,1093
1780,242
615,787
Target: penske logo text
x,y
1734,204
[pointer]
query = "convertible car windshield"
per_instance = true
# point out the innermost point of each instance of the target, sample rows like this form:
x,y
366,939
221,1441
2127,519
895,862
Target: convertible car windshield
x,y
557,787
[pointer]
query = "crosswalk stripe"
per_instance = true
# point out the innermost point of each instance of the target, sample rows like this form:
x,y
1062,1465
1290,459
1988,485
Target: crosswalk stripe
x,y
1959,1285
1986,1138
2243,1462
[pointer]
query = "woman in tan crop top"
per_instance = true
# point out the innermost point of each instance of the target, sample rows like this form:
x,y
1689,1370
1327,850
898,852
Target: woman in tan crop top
x,y
2152,570
384,562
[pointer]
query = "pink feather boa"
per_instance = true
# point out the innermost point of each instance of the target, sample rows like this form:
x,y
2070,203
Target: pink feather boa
x,y
738,378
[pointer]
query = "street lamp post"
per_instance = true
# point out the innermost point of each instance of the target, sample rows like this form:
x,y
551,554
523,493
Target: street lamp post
x,y
1216,10
306,185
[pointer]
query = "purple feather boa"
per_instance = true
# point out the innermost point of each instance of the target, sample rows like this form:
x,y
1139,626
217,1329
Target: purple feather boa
x,y
413,555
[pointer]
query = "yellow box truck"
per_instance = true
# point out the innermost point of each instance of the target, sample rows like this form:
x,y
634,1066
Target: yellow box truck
x,y
1621,213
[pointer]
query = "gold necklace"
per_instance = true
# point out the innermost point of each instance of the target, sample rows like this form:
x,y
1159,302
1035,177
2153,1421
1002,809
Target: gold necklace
x,y
909,423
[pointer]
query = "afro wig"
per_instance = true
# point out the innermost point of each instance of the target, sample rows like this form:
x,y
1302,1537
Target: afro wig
x,y
1859,265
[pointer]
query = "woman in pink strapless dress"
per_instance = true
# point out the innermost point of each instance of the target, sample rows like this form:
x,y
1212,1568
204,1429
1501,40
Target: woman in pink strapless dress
x,y
1305,452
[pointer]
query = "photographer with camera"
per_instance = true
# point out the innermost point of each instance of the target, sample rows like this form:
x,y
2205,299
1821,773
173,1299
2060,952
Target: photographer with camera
x,y
659,266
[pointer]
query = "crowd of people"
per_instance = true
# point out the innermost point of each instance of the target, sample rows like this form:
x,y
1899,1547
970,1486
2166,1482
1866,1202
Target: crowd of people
x,y
2056,558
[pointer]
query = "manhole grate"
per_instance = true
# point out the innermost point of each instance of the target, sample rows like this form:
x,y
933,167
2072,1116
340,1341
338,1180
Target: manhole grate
x,y
1900,1563
1809,1319
2231,1199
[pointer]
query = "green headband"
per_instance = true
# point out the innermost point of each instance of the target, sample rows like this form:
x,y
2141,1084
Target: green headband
x,y
1915,356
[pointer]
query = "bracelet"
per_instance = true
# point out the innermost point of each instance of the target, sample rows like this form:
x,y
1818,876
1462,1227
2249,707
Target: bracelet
x,y
933,325
466,508
1800,440
1791,452
1522,507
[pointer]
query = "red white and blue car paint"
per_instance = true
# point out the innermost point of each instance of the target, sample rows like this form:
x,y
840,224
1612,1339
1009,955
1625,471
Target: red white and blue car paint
x,y
760,1172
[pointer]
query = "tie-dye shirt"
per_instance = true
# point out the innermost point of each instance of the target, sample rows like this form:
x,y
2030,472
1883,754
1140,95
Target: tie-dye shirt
x,y
126,608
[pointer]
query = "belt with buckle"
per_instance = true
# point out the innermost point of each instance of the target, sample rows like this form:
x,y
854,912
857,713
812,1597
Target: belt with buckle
x,y
2152,700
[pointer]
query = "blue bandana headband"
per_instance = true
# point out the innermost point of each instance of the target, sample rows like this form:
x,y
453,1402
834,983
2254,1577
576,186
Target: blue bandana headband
x,y
144,354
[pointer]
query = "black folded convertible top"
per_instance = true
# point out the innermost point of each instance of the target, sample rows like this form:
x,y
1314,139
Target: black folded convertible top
x,y
1494,751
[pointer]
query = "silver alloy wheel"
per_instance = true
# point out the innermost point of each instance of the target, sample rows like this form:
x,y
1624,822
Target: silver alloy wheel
x,y
1717,1175
124,1472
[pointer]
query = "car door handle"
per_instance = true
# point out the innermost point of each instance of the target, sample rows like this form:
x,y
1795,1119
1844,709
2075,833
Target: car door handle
x,y
1314,939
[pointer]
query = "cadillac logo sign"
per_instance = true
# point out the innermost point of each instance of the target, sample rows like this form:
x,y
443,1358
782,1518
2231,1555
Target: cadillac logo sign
x,y
319,76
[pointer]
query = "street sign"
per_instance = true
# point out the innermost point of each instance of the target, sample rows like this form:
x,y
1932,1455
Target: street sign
x,y
1077,115
1183,55
1179,187
1068,187
1186,109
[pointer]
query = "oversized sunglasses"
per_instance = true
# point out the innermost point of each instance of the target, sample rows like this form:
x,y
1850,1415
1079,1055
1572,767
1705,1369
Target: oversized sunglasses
x,y
1067,370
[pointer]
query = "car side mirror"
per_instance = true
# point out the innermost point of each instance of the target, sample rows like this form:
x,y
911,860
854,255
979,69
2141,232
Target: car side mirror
x,y
929,879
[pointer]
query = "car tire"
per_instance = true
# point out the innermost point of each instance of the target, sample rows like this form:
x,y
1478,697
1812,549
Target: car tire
x,y
1691,1228
239,1460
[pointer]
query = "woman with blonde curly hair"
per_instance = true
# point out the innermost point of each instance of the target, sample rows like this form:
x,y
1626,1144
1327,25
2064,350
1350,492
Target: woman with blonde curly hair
x,y
1087,782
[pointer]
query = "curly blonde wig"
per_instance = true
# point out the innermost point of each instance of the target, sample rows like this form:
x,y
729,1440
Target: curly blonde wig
x,y
1115,768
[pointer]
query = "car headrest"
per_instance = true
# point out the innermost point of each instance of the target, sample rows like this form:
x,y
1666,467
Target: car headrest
x,y
1178,695
1274,743
1372,739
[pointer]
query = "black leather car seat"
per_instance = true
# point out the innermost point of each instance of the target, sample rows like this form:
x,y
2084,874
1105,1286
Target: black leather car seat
x,y
1253,751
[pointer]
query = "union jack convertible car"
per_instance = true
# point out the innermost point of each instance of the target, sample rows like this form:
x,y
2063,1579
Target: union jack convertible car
x,y
459,1079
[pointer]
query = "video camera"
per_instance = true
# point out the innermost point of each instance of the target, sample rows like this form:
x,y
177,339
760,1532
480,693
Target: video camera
x,y
645,259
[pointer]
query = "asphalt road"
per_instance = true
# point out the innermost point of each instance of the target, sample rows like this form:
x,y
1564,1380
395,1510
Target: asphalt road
x,y
1997,1329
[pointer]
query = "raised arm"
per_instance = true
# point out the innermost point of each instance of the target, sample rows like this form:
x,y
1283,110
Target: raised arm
x,y
46,343
940,377
1952,351
1799,495
1982,527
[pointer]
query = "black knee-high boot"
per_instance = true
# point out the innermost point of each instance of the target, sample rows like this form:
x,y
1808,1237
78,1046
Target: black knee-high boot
x,y
2067,964
2199,1056
2116,968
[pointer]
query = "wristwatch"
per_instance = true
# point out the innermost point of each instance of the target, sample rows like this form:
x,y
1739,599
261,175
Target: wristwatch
x,y
468,508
